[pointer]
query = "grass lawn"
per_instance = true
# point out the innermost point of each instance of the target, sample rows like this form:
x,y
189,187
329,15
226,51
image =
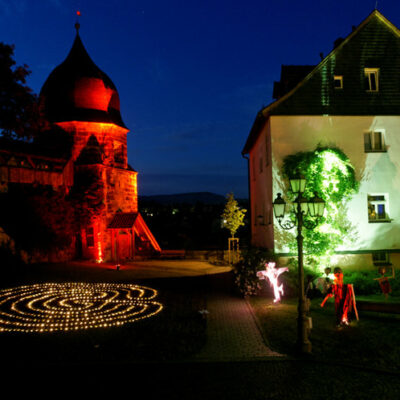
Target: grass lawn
x,y
379,298
175,333
373,341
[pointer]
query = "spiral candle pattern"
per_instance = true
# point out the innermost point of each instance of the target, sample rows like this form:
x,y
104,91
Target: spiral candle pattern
x,y
49,307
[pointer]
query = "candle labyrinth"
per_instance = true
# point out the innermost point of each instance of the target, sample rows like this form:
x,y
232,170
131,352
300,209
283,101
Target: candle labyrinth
x,y
52,307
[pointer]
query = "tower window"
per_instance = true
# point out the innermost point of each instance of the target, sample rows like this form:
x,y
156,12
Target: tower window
x,y
119,153
371,79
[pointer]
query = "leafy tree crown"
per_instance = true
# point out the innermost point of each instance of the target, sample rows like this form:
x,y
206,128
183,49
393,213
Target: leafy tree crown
x,y
233,215
328,172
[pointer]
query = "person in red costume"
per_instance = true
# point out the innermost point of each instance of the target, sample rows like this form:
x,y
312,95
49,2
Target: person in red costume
x,y
344,298
384,281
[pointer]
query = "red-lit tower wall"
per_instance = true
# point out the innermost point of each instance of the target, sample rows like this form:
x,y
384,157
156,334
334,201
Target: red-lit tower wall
x,y
118,180
82,100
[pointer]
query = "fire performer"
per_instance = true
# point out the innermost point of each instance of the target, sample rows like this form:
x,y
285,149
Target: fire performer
x,y
271,273
345,301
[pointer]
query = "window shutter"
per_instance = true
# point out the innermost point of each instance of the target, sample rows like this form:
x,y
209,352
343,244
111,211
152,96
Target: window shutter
x,y
378,140
367,141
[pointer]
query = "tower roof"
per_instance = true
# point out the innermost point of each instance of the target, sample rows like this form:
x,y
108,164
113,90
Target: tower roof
x,y
77,90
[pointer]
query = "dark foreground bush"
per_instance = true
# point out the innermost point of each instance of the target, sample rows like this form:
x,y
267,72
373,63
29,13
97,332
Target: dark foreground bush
x,y
252,261
12,266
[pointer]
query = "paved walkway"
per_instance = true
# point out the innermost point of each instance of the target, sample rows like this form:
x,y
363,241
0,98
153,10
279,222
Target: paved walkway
x,y
235,363
232,332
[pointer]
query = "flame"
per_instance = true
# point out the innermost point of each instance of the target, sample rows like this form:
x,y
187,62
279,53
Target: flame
x,y
271,273
99,258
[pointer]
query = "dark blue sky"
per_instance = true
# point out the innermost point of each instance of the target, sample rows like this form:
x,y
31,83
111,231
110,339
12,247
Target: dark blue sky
x,y
191,74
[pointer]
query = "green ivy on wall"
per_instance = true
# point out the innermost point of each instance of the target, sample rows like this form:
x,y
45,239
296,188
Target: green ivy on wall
x,y
328,172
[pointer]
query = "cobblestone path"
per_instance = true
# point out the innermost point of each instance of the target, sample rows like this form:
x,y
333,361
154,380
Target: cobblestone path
x,y
232,333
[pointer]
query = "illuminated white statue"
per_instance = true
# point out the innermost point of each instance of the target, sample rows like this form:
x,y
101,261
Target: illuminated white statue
x,y
271,273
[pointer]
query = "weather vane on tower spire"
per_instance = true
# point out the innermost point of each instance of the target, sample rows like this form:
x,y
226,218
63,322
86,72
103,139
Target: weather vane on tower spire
x,y
77,24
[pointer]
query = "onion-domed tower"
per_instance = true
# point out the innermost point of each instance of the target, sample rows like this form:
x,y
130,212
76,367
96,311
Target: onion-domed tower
x,y
82,100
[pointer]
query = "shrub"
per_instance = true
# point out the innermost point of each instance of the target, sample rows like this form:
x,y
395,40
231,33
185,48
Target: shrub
x,y
37,218
364,283
291,278
8,257
252,261
12,265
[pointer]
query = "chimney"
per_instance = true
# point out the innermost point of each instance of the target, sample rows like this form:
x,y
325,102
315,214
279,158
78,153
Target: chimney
x,y
337,42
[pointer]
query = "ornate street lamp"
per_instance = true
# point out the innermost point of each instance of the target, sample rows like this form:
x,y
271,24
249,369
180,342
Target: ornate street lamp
x,y
302,206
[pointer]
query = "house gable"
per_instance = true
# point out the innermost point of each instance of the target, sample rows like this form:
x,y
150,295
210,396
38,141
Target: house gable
x,y
374,44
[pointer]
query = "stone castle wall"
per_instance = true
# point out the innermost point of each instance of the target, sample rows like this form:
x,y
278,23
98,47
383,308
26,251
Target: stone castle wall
x,y
111,138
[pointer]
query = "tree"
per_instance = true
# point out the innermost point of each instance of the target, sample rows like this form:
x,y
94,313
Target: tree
x,y
19,109
233,215
24,220
328,172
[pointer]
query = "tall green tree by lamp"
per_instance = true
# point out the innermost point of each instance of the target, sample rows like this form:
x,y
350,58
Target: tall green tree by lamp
x,y
232,218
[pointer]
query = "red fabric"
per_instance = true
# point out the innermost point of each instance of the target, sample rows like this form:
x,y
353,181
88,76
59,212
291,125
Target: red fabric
x,y
385,285
343,301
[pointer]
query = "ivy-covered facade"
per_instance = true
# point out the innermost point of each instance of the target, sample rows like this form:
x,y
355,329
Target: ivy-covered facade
x,y
350,101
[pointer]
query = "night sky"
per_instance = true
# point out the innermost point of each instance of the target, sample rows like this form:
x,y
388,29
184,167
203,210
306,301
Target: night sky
x,y
191,74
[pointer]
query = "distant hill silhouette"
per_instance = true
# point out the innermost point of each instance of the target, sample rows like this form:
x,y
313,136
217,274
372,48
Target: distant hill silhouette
x,y
186,198
190,221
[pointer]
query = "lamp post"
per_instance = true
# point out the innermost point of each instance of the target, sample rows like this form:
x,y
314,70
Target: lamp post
x,y
315,208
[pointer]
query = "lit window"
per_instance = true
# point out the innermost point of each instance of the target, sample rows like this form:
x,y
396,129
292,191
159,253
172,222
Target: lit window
x,y
374,141
338,82
119,153
371,79
378,208
380,258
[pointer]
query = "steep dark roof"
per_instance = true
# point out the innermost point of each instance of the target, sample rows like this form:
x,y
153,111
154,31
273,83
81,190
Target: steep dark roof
x,y
77,90
123,220
291,75
375,43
